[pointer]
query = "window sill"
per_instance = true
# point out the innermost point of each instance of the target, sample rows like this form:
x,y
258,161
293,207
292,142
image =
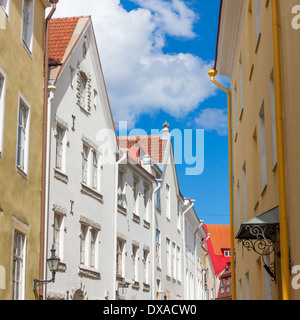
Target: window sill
x,y
22,173
158,210
89,272
136,218
122,210
85,189
146,224
59,175
136,285
258,42
62,267
263,190
146,287
27,49
168,278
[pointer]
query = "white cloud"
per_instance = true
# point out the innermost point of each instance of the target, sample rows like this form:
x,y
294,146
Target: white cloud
x,y
140,78
213,119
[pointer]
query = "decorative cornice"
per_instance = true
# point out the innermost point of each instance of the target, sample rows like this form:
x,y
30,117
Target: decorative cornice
x,y
90,222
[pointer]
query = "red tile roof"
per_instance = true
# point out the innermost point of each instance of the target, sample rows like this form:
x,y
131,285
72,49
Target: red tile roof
x,y
60,34
218,242
149,144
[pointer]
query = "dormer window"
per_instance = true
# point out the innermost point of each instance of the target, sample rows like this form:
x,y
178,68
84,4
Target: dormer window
x,y
227,253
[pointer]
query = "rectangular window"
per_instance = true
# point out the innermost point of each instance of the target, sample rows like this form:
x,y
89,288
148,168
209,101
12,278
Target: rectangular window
x,y
174,260
2,107
121,201
135,263
178,216
257,20
168,257
27,24
57,234
235,109
274,143
85,156
178,268
59,147
241,85
23,136
146,266
93,239
168,209
244,192
4,4
83,89
158,249
262,142
83,233
119,258
136,197
95,170
18,267
146,204
238,208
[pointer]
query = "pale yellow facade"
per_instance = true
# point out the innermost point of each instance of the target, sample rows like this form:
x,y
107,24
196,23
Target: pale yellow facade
x,y
21,76
245,54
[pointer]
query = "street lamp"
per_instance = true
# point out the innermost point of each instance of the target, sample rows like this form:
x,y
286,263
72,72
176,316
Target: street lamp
x,y
53,263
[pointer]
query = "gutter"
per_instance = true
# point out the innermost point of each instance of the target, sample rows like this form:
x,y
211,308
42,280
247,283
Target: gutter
x,y
284,244
115,224
44,150
184,244
212,73
153,238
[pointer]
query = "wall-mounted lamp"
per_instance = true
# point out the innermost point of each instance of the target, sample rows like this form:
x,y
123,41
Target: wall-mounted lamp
x,y
53,263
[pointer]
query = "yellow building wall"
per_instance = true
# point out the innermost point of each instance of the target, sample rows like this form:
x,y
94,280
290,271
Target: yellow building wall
x,y
257,62
20,197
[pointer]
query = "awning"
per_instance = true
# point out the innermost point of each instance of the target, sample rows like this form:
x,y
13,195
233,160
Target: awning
x,y
264,226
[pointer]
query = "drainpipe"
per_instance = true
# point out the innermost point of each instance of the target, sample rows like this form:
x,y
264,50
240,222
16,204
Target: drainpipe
x,y
51,90
153,237
284,244
184,244
212,73
195,257
115,222
44,146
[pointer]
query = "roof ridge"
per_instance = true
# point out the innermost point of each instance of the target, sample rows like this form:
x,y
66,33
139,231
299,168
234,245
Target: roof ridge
x,y
72,17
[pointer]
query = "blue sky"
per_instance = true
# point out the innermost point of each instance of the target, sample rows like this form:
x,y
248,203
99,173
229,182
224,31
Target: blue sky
x,y
155,56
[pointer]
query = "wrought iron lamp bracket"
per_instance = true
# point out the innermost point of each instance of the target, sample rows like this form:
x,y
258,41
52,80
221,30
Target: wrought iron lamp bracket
x,y
262,241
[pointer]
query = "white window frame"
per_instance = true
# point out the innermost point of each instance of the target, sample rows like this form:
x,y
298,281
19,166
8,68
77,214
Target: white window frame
x,y
19,259
244,179
146,204
158,248
85,164
135,265
28,42
95,170
121,185
174,260
146,265
83,90
120,258
23,167
136,197
93,233
168,257
262,143
2,108
178,261
58,234
257,20
83,243
60,148
5,6
168,201
273,115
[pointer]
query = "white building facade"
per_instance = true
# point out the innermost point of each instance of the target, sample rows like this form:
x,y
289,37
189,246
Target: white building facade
x,y
80,179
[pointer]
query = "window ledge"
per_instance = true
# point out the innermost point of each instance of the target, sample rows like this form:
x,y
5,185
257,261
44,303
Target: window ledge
x,y
59,175
62,267
146,224
85,189
122,210
146,287
263,190
158,210
88,272
22,173
168,278
136,285
136,218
